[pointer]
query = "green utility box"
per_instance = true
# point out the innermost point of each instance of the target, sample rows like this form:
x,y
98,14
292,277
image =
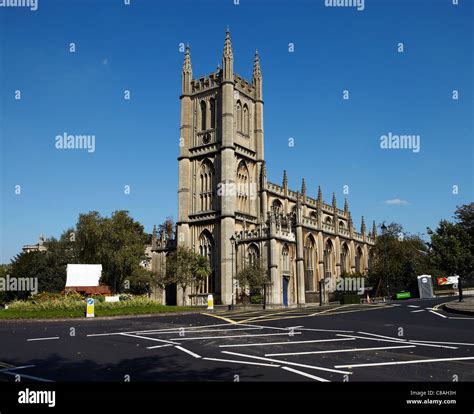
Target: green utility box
x,y
403,295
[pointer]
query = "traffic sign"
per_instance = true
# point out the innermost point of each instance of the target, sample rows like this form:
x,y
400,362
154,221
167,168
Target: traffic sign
x,y
90,308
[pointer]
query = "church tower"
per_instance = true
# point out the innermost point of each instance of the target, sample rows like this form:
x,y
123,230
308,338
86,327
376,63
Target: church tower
x,y
221,163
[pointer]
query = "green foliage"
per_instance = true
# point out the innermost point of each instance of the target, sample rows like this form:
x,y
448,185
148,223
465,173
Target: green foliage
x,y
349,299
452,245
118,243
397,260
253,278
185,267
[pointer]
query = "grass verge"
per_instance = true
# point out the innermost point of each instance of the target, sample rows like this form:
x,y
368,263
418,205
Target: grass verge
x,y
80,313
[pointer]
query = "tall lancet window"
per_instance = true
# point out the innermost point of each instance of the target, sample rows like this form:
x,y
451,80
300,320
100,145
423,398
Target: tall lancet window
x,y
309,262
212,106
285,258
239,116
206,249
203,115
245,120
206,185
243,188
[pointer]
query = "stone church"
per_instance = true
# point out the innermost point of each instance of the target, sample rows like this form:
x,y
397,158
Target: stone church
x,y
229,212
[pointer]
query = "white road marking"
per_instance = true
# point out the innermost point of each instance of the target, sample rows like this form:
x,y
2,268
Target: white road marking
x,y
232,336
150,339
436,313
440,342
287,363
158,346
396,304
416,311
304,374
413,306
187,351
396,341
15,368
162,330
382,336
42,339
284,343
27,376
178,331
242,362
328,310
324,330
334,351
404,362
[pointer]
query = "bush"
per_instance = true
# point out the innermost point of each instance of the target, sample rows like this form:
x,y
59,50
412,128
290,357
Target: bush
x,y
349,299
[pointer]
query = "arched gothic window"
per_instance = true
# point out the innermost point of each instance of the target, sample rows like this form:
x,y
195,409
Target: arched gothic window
x,y
277,207
203,115
345,266
243,188
206,185
253,254
328,259
206,249
239,116
245,120
309,261
212,106
358,260
285,256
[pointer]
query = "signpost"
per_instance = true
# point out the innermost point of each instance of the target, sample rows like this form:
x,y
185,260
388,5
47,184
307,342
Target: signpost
x,y
90,308
210,302
403,295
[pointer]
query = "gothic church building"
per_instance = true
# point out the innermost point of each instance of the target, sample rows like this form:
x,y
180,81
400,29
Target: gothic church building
x,y
229,212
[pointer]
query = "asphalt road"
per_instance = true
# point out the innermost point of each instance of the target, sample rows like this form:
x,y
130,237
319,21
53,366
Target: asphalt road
x,y
402,341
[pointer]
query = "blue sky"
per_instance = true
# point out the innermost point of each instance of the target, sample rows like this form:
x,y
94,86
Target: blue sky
x,y
337,142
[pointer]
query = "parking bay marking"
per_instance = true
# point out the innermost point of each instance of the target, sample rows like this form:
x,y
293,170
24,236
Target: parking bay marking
x,y
287,362
150,339
397,341
42,339
334,351
305,374
234,336
375,364
286,343
241,362
187,351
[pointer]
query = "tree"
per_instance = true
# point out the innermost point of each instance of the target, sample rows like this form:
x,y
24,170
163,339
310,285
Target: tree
x,y
253,278
185,267
398,258
118,243
452,244
167,227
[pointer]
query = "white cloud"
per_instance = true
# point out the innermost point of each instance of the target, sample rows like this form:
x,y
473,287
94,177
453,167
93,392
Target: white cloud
x,y
396,202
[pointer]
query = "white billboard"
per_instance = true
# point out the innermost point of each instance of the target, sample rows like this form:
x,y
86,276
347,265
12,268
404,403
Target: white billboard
x,y
83,274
